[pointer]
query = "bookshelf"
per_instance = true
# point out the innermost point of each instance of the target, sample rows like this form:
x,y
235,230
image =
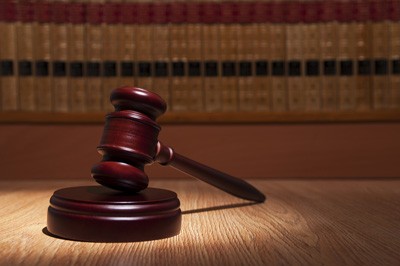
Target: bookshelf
x,y
278,61
208,118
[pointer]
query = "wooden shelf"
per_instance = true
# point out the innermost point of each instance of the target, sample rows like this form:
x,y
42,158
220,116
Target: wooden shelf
x,y
209,118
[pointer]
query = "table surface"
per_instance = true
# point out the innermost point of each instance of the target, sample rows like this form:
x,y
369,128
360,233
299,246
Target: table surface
x,y
333,222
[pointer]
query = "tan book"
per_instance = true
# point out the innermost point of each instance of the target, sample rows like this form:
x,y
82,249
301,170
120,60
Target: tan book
x,y
161,67
42,56
143,44
8,54
346,57
25,53
143,56
311,53
178,55
228,41
160,52
195,96
127,31
380,53
76,55
328,56
278,57
294,57
59,57
94,55
247,88
362,32
211,58
394,36
110,55
261,67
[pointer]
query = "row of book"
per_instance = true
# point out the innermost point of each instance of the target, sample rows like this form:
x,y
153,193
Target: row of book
x,y
66,56
217,11
206,86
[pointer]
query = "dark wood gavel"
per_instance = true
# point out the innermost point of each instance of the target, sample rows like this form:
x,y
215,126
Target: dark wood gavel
x,y
130,140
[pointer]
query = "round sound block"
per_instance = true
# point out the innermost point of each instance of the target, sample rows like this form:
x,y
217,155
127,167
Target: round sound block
x,y
100,214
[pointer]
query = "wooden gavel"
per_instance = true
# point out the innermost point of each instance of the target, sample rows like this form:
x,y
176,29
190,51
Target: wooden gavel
x,y
130,140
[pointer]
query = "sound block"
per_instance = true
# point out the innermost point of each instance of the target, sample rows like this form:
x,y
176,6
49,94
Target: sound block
x,y
100,214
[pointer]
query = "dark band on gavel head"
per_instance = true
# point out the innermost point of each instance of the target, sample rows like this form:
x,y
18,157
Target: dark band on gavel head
x,y
129,139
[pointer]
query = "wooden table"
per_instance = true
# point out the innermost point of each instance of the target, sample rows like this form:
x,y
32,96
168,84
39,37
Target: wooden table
x,y
332,222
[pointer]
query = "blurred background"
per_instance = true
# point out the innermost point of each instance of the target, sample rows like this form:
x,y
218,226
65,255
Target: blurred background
x,y
259,89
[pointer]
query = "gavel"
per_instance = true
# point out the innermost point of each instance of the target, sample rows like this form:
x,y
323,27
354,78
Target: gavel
x,y
130,141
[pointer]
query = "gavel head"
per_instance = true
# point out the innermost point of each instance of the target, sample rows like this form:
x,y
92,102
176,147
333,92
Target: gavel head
x,y
129,139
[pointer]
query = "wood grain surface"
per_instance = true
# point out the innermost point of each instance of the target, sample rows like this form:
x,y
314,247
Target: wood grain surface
x,y
302,223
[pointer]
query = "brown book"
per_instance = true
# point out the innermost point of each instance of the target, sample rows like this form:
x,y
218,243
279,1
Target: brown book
x,y
143,44
261,67
76,55
261,53
328,56
380,53
59,57
178,82
110,54
311,53
278,57
161,52
25,54
228,36
294,57
8,54
211,59
247,33
346,56
42,55
161,66
127,30
394,36
94,55
195,97
362,32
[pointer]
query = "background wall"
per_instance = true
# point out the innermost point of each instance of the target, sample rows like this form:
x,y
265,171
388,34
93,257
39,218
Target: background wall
x,y
248,151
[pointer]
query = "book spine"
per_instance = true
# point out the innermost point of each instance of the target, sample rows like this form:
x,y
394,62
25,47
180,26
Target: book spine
x,y
25,56
312,53
228,34
143,44
178,56
294,56
41,45
394,15
362,31
8,54
194,55
127,44
346,56
278,57
76,55
110,45
59,57
211,57
328,57
161,52
380,52
262,55
247,32
94,53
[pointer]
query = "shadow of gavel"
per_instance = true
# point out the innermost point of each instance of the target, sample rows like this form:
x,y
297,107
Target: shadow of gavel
x,y
130,141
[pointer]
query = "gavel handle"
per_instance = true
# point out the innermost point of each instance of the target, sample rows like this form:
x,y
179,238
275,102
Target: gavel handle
x,y
232,185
